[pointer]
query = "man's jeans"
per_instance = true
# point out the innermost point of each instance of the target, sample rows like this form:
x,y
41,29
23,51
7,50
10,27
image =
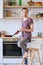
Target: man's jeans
x,y
23,44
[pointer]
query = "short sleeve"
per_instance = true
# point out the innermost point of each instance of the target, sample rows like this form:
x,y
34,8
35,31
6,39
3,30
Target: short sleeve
x,y
31,21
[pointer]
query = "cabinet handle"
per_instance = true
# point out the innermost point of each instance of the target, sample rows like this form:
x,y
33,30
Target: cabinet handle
x,y
41,46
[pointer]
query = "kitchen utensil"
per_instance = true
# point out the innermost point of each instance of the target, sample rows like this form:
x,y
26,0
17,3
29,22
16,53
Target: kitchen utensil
x,y
16,32
39,14
8,35
13,34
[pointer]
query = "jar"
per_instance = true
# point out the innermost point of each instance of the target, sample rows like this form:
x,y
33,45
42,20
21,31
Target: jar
x,y
2,33
8,13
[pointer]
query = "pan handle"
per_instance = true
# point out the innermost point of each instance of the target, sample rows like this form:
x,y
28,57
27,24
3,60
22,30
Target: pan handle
x,y
16,32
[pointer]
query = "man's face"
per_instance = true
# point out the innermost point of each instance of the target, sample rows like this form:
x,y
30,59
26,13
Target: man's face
x,y
24,13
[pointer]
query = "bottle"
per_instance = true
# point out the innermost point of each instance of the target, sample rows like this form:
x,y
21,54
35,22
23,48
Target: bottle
x,y
8,13
20,2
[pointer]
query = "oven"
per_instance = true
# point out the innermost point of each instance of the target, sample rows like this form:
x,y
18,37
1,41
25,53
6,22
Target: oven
x,y
10,49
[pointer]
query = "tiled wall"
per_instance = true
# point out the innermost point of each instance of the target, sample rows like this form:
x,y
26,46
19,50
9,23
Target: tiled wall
x,y
10,26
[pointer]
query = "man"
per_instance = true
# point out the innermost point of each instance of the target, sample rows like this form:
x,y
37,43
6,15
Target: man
x,y
26,29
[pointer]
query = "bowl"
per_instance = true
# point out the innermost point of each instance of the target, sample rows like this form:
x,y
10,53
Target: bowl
x,y
31,3
38,3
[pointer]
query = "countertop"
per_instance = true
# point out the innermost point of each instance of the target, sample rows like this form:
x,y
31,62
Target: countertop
x,y
16,38
20,37
37,37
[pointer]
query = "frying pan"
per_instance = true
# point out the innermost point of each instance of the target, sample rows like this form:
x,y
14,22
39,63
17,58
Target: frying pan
x,y
13,34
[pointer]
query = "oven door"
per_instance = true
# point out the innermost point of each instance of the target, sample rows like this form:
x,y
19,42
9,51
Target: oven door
x,y
11,49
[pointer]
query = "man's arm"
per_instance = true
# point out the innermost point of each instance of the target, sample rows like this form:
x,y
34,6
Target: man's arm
x,y
31,28
28,30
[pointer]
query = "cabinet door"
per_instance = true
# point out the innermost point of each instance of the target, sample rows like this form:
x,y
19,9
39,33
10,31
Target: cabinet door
x,y
36,43
1,50
42,53
1,9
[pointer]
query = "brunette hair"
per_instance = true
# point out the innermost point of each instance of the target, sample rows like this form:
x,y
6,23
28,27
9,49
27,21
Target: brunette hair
x,y
25,9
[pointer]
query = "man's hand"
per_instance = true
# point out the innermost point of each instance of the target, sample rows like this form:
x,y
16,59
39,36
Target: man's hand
x,y
22,29
16,32
27,30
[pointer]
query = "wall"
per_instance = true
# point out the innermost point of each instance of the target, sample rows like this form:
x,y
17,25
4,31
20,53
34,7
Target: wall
x,y
1,9
10,26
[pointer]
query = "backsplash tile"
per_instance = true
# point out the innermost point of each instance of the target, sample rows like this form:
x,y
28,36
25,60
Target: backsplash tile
x,y
10,26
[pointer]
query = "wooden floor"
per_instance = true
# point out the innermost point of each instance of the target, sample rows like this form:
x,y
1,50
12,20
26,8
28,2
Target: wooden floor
x,y
18,64
13,64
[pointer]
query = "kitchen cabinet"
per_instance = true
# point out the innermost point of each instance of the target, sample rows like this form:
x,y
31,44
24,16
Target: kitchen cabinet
x,y
36,43
42,53
1,51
